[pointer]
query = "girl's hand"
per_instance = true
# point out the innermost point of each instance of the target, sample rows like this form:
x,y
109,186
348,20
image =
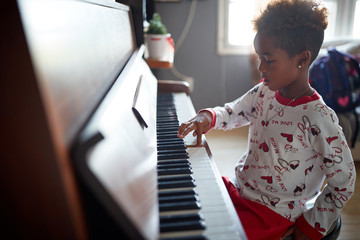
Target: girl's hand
x,y
199,124
298,234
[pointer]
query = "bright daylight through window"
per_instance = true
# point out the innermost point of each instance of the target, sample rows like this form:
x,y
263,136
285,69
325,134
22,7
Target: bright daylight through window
x,y
235,29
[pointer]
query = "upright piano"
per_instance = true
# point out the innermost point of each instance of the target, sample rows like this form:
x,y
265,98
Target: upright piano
x,y
98,132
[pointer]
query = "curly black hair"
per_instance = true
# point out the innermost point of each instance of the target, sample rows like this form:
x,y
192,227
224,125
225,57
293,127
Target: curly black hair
x,y
296,25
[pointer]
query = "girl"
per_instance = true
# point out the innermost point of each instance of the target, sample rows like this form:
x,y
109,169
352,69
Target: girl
x,y
295,141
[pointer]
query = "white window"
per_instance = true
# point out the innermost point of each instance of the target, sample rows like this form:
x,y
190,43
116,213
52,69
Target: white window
x,y
235,26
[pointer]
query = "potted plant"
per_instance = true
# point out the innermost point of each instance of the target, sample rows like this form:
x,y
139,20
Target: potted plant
x,y
157,39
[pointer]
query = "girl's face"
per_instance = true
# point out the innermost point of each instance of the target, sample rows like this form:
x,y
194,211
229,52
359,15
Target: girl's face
x,y
279,71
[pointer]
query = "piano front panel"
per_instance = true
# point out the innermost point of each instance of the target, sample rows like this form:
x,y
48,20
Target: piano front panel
x,y
115,155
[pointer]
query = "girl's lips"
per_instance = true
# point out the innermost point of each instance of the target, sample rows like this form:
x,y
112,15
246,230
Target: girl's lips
x,y
266,81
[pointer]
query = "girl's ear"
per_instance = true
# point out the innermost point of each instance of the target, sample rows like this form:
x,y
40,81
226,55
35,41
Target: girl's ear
x,y
304,58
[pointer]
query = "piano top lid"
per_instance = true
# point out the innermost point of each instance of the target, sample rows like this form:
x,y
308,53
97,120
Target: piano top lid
x,y
78,49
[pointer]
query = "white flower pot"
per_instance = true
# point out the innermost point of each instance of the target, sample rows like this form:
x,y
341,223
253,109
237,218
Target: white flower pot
x,y
158,45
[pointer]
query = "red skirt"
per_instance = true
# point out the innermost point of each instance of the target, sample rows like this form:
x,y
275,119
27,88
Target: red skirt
x,y
258,221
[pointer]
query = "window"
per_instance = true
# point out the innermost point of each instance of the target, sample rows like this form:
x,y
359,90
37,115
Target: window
x,y
235,27
343,19
356,27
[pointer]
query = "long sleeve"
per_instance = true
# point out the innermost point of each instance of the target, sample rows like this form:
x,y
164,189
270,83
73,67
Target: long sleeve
x,y
239,112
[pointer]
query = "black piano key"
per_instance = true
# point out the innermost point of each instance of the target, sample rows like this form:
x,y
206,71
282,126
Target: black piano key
x,y
176,184
167,122
166,114
173,129
166,111
170,117
173,126
173,161
163,108
182,226
164,120
176,143
173,156
167,125
167,223
181,217
165,100
167,132
178,198
170,141
174,165
180,149
170,146
164,158
177,206
174,171
166,107
167,136
162,101
169,157
175,178
177,193
165,144
172,151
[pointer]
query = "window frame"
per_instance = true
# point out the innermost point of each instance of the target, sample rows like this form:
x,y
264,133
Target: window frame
x,y
345,15
223,46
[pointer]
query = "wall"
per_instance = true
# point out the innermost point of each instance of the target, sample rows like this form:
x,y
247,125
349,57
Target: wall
x,y
217,79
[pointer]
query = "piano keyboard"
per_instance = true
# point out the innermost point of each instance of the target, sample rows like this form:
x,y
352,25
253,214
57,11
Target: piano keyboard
x,y
191,200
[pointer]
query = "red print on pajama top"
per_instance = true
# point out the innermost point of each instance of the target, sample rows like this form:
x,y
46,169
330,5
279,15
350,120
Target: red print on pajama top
x,y
292,147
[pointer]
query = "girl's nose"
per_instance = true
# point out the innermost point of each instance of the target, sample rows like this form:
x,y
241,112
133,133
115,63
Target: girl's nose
x,y
261,66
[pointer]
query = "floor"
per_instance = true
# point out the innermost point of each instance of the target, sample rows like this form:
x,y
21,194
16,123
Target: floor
x,y
228,146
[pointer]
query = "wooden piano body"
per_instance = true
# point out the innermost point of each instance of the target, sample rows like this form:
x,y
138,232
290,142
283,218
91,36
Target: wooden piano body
x,y
77,162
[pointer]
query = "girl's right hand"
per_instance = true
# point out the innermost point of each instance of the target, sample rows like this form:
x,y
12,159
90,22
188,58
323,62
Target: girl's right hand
x,y
200,124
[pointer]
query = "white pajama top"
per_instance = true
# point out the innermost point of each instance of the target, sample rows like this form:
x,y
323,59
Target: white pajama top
x,y
292,147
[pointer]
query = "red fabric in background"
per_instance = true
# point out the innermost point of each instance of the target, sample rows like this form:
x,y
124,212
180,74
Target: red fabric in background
x,y
259,222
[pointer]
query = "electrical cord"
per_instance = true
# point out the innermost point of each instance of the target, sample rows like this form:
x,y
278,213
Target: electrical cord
x,y
180,41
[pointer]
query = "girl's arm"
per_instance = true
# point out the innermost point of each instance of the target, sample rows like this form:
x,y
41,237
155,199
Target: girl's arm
x,y
233,114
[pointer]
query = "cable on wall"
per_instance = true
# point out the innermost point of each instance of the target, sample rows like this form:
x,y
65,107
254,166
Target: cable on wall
x,y
180,41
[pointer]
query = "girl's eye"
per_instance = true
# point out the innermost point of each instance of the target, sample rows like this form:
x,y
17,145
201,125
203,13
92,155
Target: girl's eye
x,y
265,60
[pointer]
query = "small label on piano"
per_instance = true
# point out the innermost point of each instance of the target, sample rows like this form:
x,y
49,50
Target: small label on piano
x,y
140,107
139,117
